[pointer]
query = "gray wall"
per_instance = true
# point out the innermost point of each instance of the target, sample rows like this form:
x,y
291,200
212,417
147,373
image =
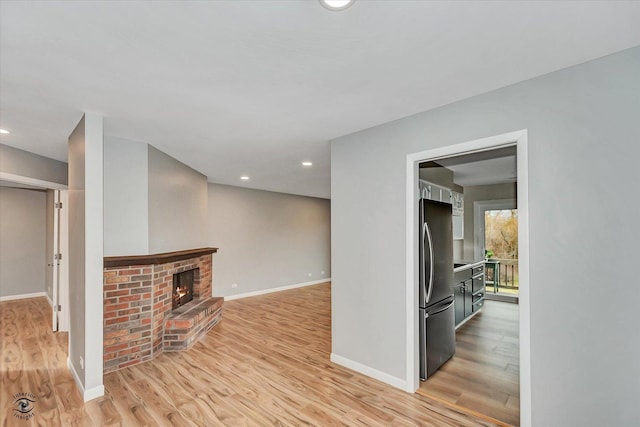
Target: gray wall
x,y
22,241
440,176
86,253
50,200
77,247
177,205
583,149
152,202
23,163
126,197
478,193
266,239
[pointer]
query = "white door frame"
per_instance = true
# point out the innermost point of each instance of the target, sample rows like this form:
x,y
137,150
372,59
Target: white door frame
x,y
63,272
55,260
519,139
479,209
63,268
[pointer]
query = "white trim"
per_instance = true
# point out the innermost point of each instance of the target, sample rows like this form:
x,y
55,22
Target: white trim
x,y
93,393
31,181
519,139
479,208
23,296
368,371
524,284
55,261
87,395
281,288
75,376
49,300
412,314
63,276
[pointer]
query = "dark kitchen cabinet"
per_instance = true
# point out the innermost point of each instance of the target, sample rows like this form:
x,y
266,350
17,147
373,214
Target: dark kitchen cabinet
x,y
458,302
468,292
468,298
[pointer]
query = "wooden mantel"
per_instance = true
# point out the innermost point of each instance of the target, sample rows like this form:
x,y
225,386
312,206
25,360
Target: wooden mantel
x,y
154,259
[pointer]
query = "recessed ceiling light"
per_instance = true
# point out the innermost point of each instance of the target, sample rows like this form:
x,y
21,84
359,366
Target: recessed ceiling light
x,y
307,164
336,4
4,131
244,178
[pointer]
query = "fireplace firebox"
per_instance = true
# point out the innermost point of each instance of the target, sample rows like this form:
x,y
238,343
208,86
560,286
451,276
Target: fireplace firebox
x,y
182,288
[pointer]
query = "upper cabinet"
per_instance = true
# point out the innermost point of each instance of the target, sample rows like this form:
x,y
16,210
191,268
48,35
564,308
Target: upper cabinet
x,y
432,191
435,192
457,200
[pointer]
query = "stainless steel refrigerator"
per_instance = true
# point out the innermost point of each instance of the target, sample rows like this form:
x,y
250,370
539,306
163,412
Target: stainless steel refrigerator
x,y
437,318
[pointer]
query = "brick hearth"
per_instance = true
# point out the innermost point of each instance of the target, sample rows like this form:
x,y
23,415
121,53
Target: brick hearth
x,y
138,321
188,323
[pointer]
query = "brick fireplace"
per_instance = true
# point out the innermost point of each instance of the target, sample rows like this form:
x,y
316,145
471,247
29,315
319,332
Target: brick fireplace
x,y
139,320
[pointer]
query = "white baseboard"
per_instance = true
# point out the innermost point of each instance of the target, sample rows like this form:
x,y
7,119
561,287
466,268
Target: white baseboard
x,y
49,299
281,288
93,393
370,372
89,394
23,296
75,376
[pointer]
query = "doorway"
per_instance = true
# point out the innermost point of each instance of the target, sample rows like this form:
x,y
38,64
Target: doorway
x,y
519,141
56,267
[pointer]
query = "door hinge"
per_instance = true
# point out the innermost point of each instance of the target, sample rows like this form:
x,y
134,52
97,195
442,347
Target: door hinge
x,y
58,307
58,205
57,256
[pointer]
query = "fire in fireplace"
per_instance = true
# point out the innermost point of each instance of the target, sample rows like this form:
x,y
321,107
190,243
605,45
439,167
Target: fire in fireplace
x,y
182,288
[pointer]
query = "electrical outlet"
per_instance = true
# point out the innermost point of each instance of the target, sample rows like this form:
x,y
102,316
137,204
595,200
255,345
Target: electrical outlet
x,y
234,285
322,272
81,363
309,274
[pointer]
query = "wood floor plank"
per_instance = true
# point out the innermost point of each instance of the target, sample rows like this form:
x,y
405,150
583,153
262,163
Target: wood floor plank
x,y
483,376
266,363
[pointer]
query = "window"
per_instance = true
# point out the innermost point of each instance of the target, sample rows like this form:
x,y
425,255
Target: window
x,y
496,239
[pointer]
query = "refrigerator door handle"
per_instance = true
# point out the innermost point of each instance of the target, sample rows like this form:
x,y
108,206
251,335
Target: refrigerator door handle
x,y
442,309
423,282
428,233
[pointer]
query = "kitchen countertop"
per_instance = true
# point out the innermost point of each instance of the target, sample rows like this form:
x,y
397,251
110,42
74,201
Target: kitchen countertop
x,y
467,264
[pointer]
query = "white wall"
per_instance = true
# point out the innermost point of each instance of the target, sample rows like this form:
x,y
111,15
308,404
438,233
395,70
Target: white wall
x,y
266,240
177,205
126,197
86,254
22,241
582,149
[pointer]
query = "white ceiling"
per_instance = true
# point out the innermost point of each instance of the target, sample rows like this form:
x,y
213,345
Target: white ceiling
x,y
496,166
256,87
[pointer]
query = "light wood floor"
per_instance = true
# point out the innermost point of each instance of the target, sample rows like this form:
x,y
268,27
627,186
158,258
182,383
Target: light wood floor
x,y
484,374
266,363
